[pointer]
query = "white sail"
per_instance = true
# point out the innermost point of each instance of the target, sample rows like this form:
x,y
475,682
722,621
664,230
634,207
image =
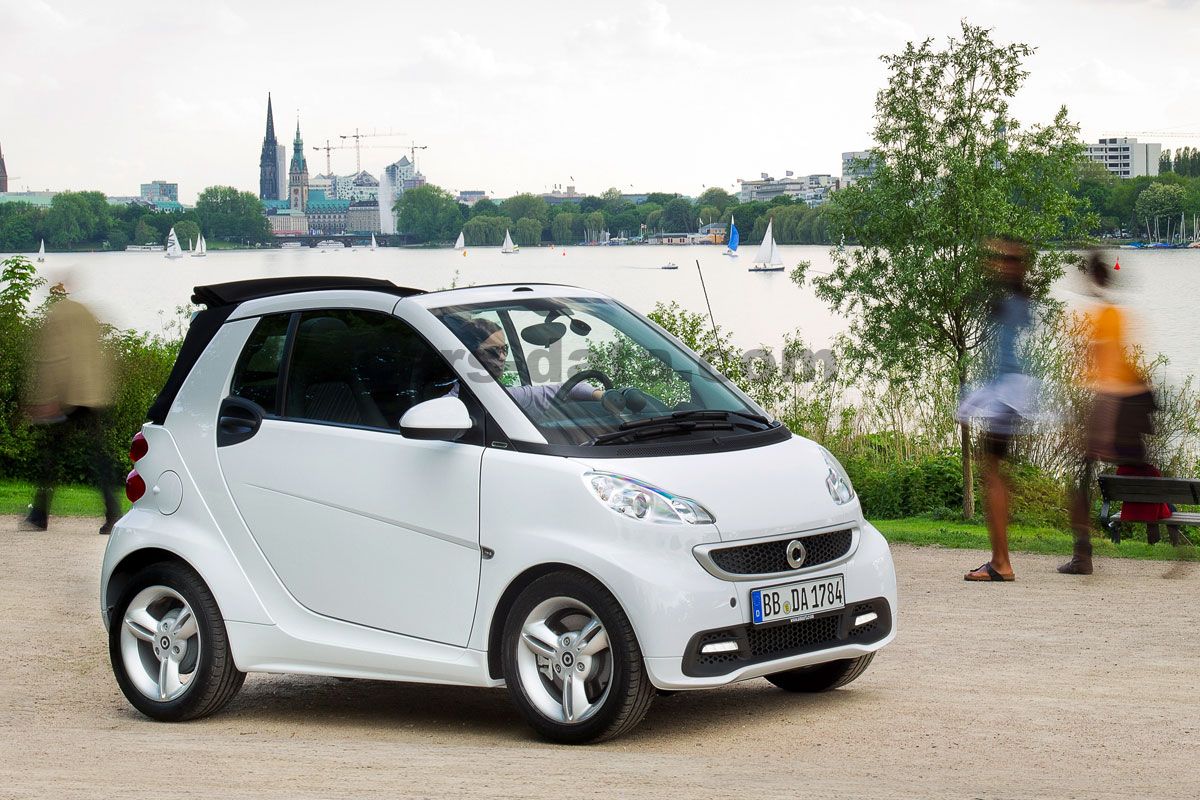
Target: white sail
x,y
201,249
460,243
203,245
768,252
173,248
373,245
42,251
508,247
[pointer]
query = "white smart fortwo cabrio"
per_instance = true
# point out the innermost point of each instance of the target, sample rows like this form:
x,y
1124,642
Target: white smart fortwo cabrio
x,y
522,485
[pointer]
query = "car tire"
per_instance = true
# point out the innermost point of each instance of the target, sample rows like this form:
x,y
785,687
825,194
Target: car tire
x,y
557,667
822,677
168,645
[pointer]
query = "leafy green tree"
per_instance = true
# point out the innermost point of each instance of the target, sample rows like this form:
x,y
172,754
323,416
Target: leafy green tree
x,y
626,223
678,216
188,233
716,197
562,229
485,208
224,212
525,205
145,233
76,218
1159,200
428,214
17,221
953,167
661,199
593,225
485,231
527,232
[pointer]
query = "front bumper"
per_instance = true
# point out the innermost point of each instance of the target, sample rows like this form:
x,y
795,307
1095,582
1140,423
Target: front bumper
x,y
870,584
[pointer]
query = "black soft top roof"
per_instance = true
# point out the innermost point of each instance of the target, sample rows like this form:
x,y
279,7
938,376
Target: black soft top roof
x,y
234,292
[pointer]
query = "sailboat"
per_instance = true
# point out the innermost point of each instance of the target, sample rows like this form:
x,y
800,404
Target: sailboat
x,y
734,239
509,247
373,245
768,259
42,252
173,248
201,248
460,242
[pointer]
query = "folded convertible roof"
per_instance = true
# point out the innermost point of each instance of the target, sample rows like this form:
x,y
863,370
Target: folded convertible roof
x,y
234,292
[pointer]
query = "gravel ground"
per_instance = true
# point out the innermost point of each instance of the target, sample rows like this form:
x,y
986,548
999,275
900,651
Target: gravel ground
x,y
1049,687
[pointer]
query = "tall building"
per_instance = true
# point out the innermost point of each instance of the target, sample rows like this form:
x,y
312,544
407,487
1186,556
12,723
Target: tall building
x,y
298,174
160,191
3,173
281,163
812,190
856,164
268,161
1126,157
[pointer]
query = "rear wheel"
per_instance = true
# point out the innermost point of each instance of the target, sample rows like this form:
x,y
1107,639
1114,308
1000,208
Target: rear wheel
x,y
822,677
168,645
571,661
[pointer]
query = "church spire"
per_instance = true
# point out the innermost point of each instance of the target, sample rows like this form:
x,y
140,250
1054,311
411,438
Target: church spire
x,y
3,173
268,160
270,120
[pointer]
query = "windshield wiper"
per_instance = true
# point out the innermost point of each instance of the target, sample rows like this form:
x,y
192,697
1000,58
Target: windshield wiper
x,y
696,414
664,426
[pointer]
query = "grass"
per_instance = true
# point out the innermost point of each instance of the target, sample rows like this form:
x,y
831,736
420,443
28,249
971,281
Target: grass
x,y
83,501
1027,539
69,501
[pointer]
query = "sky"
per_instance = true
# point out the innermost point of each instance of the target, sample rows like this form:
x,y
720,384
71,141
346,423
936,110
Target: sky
x,y
644,95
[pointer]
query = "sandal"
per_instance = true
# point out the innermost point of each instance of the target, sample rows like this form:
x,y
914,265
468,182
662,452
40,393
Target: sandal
x,y
986,572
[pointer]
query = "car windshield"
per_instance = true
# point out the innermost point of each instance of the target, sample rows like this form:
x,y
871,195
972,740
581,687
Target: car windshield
x,y
588,371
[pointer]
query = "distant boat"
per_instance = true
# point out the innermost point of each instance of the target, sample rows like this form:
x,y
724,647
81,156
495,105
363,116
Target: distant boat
x,y
201,249
509,247
334,244
768,259
290,246
734,239
42,252
373,245
669,265
144,248
173,248
460,242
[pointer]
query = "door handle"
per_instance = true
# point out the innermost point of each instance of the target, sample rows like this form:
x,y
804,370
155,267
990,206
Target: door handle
x,y
237,420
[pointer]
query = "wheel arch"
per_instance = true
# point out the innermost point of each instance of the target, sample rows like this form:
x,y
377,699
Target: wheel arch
x,y
509,596
131,565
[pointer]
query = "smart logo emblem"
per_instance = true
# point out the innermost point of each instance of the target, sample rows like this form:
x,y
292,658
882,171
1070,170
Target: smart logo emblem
x,y
796,554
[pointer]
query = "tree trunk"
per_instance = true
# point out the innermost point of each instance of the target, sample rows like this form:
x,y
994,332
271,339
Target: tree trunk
x,y
967,473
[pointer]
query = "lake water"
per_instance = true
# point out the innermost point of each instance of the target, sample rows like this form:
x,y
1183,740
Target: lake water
x,y
140,290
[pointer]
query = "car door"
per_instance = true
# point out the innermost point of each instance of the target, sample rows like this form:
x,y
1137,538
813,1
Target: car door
x,y
359,523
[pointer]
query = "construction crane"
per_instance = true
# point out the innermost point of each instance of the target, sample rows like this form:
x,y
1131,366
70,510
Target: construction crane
x,y
326,148
358,137
413,147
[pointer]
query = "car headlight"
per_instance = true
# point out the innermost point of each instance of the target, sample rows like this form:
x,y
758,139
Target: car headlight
x,y
638,500
836,480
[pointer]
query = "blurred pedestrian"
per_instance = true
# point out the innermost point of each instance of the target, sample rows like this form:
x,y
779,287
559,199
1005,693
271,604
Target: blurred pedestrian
x,y
1121,414
1006,400
70,390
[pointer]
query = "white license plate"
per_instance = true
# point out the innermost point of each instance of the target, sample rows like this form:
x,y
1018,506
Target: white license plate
x,y
797,600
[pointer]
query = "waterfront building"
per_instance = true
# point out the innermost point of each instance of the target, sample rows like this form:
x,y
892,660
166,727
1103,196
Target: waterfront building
x,y
41,199
812,190
362,217
298,174
1126,157
856,164
360,186
323,183
269,161
326,215
160,191
558,196
3,173
285,220
470,197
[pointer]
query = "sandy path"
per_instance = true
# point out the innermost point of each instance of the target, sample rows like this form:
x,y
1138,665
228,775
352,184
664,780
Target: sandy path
x,y
1050,687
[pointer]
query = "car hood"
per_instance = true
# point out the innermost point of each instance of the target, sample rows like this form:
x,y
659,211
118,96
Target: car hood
x,y
762,491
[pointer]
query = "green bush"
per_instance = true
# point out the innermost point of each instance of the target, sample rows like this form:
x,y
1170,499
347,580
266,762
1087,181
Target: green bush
x,y
891,490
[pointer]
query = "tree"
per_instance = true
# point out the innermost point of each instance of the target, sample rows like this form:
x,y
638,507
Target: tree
x,y
428,214
593,224
485,231
1164,161
562,229
952,167
520,206
1158,200
187,231
485,208
678,216
717,197
144,233
224,212
76,217
527,232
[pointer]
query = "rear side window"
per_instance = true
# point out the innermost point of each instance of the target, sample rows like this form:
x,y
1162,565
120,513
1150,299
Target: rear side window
x,y
256,376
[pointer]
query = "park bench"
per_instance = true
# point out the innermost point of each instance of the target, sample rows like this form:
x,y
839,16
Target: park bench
x,y
1131,489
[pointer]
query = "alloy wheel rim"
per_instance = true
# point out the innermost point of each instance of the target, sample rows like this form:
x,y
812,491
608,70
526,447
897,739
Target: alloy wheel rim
x,y
564,661
160,643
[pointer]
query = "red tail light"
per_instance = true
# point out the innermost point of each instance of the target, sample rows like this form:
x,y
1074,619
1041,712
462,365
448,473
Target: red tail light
x,y
138,447
135,487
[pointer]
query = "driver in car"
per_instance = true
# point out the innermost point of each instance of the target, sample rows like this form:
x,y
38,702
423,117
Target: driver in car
x,y
486,340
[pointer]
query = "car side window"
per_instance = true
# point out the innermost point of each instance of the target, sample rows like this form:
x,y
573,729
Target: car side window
x,y
256,376
361,368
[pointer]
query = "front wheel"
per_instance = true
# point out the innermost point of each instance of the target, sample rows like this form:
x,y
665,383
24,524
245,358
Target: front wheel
x,y
822,677
168,645
571,661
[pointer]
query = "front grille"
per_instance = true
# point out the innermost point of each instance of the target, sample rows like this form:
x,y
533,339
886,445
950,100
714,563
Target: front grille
x,y
771,642
765,558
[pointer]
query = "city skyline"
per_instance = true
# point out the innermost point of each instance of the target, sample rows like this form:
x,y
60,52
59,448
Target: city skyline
x,y
641,95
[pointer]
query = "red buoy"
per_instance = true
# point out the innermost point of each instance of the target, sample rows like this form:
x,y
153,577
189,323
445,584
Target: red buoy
x,y
1117,265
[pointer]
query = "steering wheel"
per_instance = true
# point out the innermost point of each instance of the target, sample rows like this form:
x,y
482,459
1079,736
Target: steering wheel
x,y
579,377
